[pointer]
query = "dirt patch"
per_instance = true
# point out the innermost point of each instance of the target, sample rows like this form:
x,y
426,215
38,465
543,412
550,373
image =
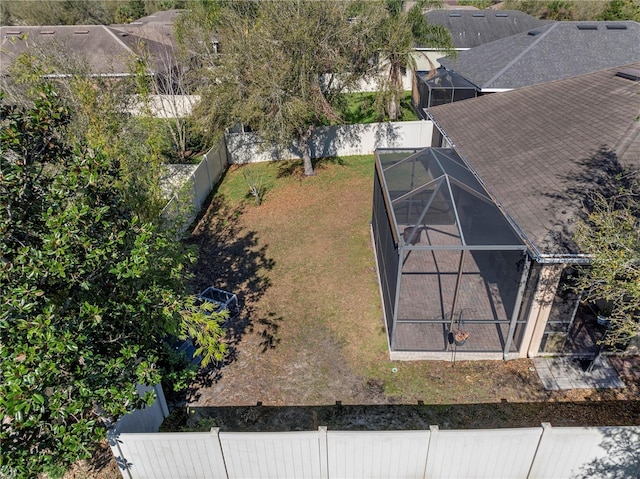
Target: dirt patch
x,y
311,332
102,465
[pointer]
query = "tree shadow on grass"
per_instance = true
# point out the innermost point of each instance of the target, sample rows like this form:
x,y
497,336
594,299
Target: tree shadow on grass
x,y
295,168
371,417
234,259
268,331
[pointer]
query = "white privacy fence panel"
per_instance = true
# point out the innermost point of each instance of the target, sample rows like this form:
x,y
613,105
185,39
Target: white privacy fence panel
x,y
202,183
527,453
147,419
342,140
276,455
187,455
490,454
577,453
377,454
186,202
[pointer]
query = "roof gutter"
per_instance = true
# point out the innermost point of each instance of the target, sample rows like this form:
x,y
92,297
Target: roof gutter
x,y
494,90
563,258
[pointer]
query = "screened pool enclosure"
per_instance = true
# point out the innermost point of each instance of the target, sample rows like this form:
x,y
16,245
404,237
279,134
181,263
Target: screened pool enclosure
x,y
439,87
448,258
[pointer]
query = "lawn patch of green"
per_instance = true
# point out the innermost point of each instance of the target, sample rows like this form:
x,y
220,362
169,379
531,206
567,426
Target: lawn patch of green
x,y
360,108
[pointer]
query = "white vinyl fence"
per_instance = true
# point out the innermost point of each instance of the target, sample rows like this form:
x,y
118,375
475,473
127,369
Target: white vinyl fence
x,y
342,140
186,201
527,453
166,106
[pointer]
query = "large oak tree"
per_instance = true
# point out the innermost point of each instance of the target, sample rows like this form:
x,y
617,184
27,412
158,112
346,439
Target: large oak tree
x,y
282,67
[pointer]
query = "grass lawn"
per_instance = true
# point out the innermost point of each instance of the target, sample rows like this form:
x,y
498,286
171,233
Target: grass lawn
x,y
360,109
312,331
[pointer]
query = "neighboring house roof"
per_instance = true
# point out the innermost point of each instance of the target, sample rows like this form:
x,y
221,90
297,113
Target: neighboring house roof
x,y
539,149
107,49
470,28
157,28
550,52
164,17
104,52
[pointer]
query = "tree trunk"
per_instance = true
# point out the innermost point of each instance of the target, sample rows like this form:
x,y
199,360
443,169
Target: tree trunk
x,y
306,153
393,109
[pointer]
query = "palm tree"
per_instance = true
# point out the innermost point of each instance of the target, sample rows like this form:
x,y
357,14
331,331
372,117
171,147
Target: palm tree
x,y
401,29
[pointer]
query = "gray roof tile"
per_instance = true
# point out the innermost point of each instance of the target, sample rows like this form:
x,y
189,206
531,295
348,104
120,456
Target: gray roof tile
x,y
538,148
560,50
470,28
106,49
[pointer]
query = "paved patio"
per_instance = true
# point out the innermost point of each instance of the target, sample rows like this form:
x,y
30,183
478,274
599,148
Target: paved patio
x,y
569,373
487,293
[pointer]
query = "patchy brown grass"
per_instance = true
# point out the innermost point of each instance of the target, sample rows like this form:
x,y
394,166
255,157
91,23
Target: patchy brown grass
x,y
312,331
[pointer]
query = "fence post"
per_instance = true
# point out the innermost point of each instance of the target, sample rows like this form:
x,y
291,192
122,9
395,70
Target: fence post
x,y
123,466
546,428
215,432
433,439
161,399
324,452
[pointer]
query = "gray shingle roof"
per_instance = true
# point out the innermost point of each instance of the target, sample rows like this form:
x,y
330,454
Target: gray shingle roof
x,y
106,49
470,28
539,149
104,52
558,50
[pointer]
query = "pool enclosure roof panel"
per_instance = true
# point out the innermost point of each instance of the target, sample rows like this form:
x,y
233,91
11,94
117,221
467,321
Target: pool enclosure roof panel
x,y
445,79
435,202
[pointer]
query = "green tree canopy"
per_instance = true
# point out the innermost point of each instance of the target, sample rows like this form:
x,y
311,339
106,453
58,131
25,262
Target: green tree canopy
x,y
101,117
90,293
611,236
80,12
621,10
401,28
282,67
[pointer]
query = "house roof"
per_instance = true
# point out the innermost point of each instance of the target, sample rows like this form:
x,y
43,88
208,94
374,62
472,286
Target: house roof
x,y
539,149
470,28
157,28
107,49
549,52
162,17
104,52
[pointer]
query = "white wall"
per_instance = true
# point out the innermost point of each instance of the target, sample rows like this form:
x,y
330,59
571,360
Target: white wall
x,y
525,453
190,192
168,106
343,140
147,419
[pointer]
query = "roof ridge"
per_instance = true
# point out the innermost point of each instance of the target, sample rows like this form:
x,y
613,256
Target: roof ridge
x,y
521,54
123,44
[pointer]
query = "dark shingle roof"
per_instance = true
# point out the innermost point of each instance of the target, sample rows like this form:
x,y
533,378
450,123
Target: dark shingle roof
x,y
557,50
470,28
539,148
